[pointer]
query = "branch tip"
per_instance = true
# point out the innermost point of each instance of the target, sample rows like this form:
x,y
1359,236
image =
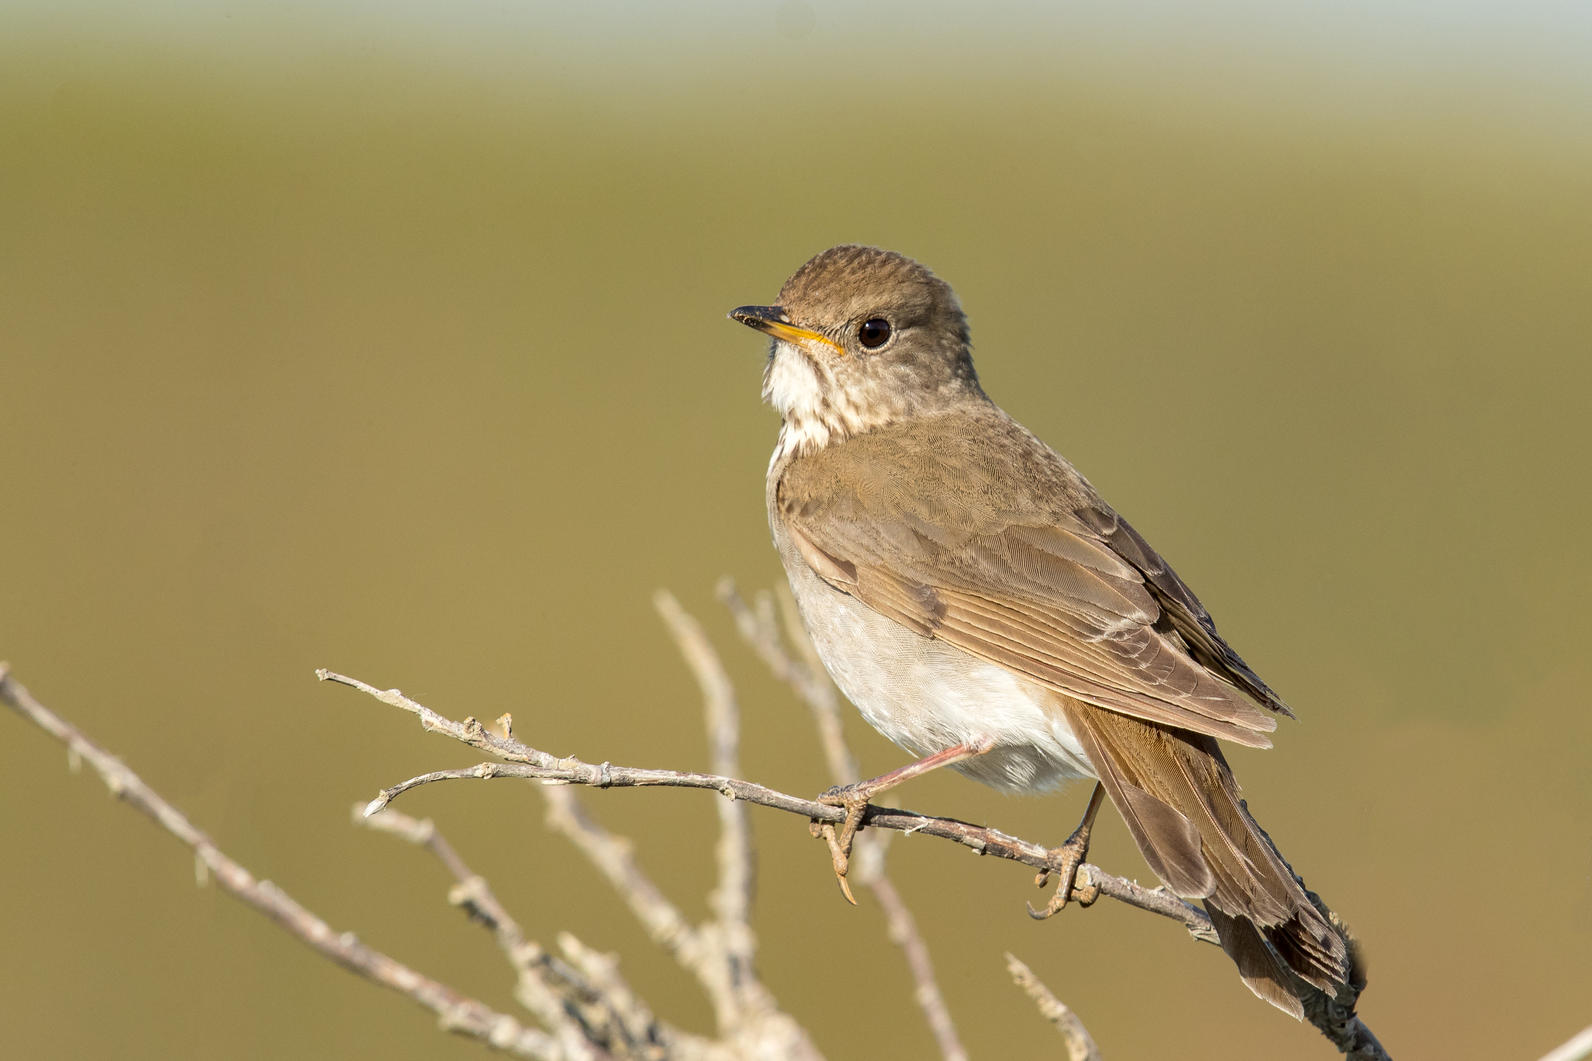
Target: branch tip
x,y
466,1015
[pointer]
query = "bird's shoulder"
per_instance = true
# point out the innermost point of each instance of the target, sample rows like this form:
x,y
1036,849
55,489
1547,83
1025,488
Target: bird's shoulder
x,y
973,468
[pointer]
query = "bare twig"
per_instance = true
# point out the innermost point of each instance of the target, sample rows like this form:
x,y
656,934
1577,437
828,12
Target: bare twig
x,y
528,763
455,1011
614,859
719,953
576,1011
583,1000
633,1016
1334,1016
1577,1048
750,1022
807,678
732,898
1080,1047
902,929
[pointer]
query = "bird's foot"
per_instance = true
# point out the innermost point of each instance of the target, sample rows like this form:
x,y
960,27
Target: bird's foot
x,y
1065,861
854,798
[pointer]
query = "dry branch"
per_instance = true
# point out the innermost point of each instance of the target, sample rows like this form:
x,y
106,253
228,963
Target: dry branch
x,y
524,762
806,677
1577,1048
581,999
1333,1016
455,1011
576,1008
1080,1047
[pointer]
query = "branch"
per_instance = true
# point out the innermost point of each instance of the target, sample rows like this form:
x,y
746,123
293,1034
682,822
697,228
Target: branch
x,y
578,1008
1333,1016
592,1013
527,763
732,899
582,1000
455,1011
810,683
1577,1048
1080,1047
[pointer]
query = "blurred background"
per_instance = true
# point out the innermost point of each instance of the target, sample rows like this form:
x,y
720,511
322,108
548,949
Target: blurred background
x,y
390,338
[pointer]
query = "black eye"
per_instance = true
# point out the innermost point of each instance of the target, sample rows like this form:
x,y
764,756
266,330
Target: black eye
x,y
874,332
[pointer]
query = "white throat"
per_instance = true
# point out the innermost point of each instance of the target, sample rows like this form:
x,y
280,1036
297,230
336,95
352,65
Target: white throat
x,y
791,385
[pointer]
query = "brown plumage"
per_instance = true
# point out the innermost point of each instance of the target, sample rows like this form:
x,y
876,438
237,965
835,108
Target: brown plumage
x,y
1028,571
966,586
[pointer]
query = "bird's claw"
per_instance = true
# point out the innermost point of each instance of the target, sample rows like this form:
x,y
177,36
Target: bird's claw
x,y
1068,858
855,801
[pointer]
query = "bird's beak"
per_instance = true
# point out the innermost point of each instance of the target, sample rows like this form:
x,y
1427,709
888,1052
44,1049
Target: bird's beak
x,y
774,321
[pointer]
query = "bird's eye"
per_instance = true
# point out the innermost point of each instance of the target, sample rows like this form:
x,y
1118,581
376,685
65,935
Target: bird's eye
x,y
874,333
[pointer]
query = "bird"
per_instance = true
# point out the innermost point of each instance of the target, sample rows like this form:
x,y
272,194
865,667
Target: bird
x,y
984,608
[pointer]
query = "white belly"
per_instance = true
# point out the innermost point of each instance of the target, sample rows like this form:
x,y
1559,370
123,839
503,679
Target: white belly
x,y
927,696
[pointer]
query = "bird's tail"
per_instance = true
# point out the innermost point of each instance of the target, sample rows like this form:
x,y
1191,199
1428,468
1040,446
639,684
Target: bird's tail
x,y
1180,802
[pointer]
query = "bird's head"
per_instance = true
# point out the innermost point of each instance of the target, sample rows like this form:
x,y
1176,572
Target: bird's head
x,y
862,337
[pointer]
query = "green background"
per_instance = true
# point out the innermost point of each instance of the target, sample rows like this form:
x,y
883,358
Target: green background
x,y
392,341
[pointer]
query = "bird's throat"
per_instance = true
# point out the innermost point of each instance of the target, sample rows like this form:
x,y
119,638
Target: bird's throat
x,y
814,409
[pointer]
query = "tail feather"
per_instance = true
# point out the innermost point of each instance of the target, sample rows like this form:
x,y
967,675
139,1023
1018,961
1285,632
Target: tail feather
x,y
1259,965
1182,806
1176,859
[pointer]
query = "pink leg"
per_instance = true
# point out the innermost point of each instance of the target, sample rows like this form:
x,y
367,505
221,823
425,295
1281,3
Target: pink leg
x,y
854,797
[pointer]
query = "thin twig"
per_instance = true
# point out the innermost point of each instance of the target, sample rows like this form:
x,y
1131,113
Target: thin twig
x,y
576,1011
613,856
806,677
718,953
808,680
731,900
456,1012
749,1020
570,771
1333,1016
1577,1048
1080,1047
635,1020
902,929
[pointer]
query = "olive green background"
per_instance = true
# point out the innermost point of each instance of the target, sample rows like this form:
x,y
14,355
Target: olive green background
x,y
394,343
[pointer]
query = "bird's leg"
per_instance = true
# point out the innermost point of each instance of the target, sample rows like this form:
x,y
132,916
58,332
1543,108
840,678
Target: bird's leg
x,y
1069,857
855,796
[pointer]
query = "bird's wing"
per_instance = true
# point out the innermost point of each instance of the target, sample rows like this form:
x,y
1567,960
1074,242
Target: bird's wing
x,y
999,547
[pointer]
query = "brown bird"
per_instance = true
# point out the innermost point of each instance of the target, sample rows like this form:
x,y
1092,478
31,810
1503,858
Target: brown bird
x,y
985,609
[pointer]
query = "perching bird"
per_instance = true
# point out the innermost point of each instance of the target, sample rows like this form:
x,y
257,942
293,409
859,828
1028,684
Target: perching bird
x,y
985,609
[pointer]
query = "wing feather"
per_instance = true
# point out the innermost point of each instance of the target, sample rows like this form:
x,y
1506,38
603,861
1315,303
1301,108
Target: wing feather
x,y
1032,570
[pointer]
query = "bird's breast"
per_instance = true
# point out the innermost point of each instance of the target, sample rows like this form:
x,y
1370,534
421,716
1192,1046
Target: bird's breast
x,y
926,696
